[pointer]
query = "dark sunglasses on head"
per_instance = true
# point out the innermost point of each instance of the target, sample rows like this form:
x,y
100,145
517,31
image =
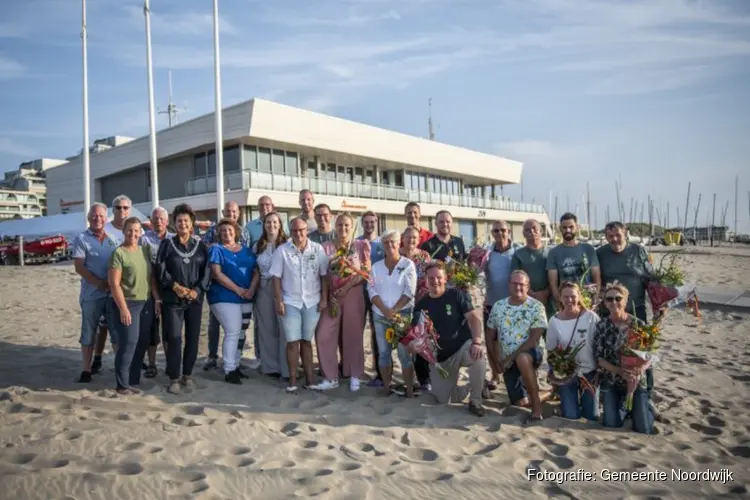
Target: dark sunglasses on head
x,y
613,299
120,207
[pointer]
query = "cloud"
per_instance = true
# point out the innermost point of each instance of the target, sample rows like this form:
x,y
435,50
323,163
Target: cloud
x,y
350,20
13,147
177,22
537,151
10,68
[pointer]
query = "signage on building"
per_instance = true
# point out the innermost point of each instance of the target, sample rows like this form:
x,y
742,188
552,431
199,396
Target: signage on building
x,y
352,206
482,213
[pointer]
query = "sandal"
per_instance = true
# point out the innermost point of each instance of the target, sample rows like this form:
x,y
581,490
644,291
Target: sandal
x,y
151,372
531,419
291,389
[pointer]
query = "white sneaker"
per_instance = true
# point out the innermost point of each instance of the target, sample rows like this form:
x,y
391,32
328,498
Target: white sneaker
x,y
326,385
354,384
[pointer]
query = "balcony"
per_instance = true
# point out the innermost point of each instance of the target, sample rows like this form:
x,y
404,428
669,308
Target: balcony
x,y
279,182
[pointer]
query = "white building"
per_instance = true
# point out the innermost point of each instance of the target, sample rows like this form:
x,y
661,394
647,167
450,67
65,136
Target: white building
x,y
23,192
277,150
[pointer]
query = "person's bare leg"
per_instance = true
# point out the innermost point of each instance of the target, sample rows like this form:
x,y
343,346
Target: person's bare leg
x,y
386,373
528,374
307,361
409,381
87,352
292,357
101,341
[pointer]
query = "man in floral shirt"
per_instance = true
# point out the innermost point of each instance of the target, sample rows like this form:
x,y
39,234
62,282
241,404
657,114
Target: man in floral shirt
x,y
514,328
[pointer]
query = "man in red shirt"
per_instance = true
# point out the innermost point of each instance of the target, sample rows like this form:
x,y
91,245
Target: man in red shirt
x,y
412,212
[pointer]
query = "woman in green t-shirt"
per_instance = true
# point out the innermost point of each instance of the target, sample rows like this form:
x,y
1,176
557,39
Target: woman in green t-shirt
x,y
129,278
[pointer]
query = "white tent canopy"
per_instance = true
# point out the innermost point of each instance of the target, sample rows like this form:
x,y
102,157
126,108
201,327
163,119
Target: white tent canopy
x,y
68,225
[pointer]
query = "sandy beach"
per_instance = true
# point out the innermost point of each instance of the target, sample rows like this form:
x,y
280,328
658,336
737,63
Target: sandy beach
x,y
59,439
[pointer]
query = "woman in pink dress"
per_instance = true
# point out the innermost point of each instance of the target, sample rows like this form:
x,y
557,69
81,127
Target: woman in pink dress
x,y
344,319
410,249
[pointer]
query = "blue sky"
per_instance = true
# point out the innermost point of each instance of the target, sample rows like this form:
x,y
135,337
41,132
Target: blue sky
x,y
655,92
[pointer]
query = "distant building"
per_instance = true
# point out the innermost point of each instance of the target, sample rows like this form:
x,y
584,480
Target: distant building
x,y
23,192
276,150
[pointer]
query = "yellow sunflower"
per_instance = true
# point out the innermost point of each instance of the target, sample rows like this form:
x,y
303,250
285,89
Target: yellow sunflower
x,y
389,334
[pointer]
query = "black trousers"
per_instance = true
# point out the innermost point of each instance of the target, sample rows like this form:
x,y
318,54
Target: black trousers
x,y
174,316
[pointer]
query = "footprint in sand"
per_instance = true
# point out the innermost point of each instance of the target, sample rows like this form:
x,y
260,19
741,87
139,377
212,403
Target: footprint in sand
x,y
420,455
708,431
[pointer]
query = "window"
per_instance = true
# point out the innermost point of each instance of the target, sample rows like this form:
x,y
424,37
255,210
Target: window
x,y
385,177
444,185
291,164
278,162
371,176
358,175
399,178
211,163
349,174
422,182
434,184
264,160
251,158
199,165
331,171
232,159
312,170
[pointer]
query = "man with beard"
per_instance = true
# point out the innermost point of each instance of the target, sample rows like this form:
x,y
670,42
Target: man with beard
x,y
324,230
443,245
571,260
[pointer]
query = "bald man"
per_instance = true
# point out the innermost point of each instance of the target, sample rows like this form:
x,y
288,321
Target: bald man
x,y
231,211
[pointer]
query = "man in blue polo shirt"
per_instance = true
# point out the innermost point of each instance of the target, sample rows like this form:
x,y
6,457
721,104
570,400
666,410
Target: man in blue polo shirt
x,y
254,228
91,252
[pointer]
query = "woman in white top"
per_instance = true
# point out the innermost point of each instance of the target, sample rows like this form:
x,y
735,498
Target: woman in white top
x,y
271,338
392,287
570,327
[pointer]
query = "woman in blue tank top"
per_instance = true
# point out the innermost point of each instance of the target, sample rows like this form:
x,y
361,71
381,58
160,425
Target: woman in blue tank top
x,y
230,295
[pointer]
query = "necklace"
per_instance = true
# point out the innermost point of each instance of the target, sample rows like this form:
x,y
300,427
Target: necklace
x,y
185,256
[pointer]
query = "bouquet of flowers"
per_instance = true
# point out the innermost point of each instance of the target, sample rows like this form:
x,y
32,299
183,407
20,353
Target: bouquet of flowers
x,y
639,352
420,338
341,269
420,262
589,292
563,367
478,257
667,287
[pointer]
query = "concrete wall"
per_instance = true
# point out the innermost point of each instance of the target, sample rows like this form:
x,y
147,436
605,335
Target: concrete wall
x,y
132,183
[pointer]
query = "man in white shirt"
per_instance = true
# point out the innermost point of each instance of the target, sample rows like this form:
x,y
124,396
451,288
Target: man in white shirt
x,y
301,292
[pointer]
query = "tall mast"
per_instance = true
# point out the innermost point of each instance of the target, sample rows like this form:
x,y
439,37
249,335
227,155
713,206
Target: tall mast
x,y
85,153
429,120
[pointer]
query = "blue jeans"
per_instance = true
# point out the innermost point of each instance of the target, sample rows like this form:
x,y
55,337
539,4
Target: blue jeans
x,y
576,402
385,349
641,414
299,323
128,369
514,381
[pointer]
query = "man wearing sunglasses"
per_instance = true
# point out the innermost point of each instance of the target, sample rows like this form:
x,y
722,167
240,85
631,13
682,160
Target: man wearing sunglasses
x,y
120,212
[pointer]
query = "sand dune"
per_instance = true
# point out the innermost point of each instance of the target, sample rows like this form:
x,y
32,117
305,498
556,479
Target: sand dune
x,y
61,440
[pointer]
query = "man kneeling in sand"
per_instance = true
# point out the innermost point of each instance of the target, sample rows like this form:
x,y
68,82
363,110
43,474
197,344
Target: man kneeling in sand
x,y
514,328
459,326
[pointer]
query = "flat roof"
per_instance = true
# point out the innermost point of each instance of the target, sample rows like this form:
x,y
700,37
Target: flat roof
x,y
267,123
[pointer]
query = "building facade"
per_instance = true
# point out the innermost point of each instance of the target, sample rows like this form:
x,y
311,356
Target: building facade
x,y
276,150
23,192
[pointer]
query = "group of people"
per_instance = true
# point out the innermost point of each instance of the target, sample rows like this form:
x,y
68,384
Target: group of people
x,y
321,282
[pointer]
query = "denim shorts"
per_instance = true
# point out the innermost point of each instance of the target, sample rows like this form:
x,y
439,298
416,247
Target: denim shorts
x,y
300,323
513,380
91,312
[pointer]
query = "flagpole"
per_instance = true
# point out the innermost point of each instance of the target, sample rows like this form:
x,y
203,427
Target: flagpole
x,y
217,115
151,112
85,154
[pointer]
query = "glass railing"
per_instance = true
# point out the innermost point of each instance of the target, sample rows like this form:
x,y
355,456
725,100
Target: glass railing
x,y
266,181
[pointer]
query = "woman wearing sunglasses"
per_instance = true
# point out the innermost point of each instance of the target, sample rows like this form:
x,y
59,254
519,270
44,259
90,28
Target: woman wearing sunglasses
x,y
569,328
609,339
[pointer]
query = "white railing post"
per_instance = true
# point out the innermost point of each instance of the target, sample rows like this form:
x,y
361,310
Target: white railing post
x,y
20,251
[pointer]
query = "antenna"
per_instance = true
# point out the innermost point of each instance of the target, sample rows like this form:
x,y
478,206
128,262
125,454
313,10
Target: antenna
x,y
429,120
172,108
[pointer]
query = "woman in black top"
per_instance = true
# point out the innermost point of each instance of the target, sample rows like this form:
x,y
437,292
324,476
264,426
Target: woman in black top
x,y
184,277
